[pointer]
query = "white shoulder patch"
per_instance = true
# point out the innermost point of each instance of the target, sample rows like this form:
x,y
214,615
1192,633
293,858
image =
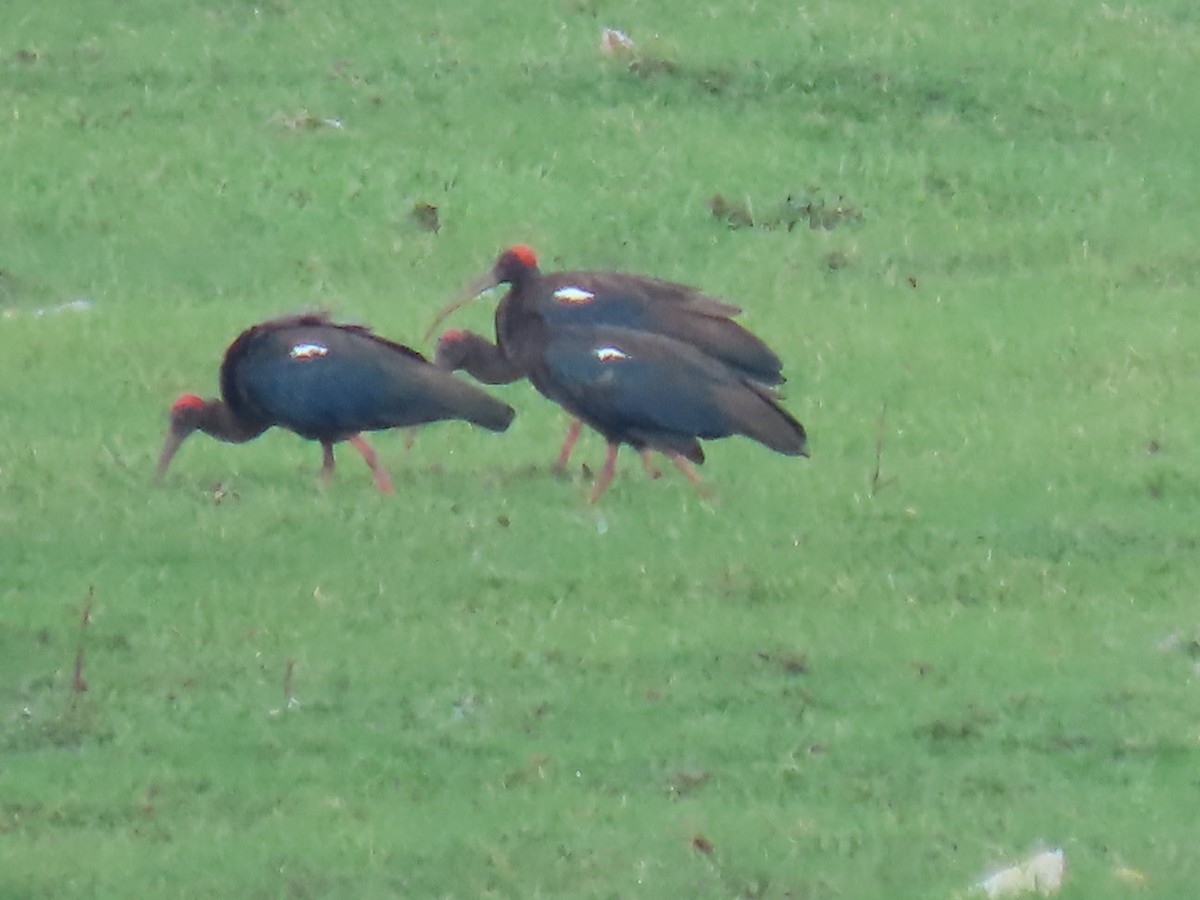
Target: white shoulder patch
x,y
572,294
608,354
308,351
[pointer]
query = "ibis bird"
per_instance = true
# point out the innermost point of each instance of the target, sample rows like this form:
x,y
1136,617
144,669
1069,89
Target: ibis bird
x,y
326,382
596,341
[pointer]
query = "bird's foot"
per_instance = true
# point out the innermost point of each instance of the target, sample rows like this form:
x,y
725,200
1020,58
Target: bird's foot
x,y
371,458
648,464
692,475
606,475
564,455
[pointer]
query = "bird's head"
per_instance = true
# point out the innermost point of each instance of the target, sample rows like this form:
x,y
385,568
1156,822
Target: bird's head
x,y
187,414
452,348
515,265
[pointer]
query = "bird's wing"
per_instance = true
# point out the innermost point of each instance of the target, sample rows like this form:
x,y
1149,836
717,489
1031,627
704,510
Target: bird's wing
x,y
661,307
632,380
660,391
589,293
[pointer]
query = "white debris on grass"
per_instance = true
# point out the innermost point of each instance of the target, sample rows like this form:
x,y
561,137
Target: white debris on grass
x,y
615,42
1042,873
304,120
1170,643
78,305
292,704
1132,877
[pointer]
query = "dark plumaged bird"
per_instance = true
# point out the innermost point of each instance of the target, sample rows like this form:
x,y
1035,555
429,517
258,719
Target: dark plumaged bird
x,y
652,327
621,299
467,351
328,383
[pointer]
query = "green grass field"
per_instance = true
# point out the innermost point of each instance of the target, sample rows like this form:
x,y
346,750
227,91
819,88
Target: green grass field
x,y
834,681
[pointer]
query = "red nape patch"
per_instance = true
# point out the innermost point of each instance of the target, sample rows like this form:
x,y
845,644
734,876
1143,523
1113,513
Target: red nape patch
x,y
187,401
524,255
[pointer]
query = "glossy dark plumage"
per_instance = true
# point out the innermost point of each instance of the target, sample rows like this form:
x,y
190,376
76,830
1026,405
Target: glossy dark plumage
x,y
683,369
616,299
326,382
654,392
642,303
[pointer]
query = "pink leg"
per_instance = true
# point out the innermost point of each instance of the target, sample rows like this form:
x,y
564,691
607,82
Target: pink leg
x,y
652,471
560,464
372,459
692,475
606,474
326,462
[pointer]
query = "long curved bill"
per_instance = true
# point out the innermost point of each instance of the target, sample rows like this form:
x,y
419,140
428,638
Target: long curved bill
x,y
170,445
483,283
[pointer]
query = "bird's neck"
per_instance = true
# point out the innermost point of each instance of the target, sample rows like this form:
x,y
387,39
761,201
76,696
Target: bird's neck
x,y
217,420
516,318
475,354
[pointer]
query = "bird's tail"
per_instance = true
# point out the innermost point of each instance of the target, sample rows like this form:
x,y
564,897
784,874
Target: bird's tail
x,y
494,415
480,408
769,423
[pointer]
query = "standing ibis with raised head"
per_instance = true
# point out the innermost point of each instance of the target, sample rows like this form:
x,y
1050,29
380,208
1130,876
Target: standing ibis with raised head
x,y
327,383
644,361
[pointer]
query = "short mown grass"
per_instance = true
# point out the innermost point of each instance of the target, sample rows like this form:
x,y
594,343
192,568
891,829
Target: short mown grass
x,y
964,630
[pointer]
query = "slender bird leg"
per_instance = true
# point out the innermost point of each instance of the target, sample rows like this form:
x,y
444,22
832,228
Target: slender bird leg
x,y
606,474
652,470
382,481
560,464
410,438
692,475
327,462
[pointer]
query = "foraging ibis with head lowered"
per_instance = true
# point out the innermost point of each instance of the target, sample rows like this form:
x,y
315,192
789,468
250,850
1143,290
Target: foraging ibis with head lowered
x,y
328,383
643,361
